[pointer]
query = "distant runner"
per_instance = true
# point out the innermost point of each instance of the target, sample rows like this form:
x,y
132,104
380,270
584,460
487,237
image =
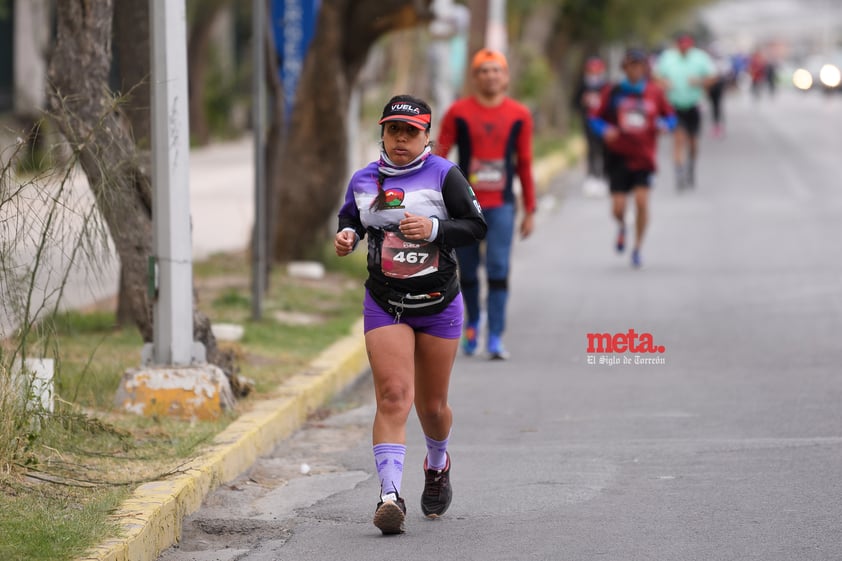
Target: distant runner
x,y
586,100
685,72
629,118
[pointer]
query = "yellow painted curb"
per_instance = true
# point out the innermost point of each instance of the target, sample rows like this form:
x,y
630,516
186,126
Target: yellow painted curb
x,y
150,521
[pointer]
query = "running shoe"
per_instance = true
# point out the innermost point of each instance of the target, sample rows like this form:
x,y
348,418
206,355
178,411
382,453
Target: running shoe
x,y
496,351
470,339
621,239
635,259
390,514
437,492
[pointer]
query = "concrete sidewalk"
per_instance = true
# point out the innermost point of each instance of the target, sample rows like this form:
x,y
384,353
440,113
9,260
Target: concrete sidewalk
x,y
151,520
222,197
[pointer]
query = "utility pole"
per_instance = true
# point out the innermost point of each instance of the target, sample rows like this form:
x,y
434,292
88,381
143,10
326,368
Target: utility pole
x,y
173,308
259,259
174,378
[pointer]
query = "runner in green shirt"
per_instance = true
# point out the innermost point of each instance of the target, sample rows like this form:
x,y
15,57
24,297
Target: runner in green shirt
x,y
685,72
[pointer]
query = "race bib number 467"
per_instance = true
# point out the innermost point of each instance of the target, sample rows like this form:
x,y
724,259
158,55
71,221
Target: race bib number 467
x,y
402,259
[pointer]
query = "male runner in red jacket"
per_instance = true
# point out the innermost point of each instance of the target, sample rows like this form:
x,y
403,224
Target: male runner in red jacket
x,y
493,137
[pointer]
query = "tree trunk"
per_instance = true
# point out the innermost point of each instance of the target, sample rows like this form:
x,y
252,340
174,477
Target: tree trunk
x,y
275,144
131,42
537,40
313,169
198,48
476,36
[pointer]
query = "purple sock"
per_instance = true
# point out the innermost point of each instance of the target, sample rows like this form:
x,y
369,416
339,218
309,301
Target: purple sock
x,y
389,461
436,452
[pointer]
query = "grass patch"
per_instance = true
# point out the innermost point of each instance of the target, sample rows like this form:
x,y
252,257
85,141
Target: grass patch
x,y
54,524
65,480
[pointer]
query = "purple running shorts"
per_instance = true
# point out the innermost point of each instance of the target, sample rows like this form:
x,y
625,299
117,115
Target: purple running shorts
x,y
447,324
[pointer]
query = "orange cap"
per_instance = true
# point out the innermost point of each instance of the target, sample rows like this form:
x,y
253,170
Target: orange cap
x,y
488,55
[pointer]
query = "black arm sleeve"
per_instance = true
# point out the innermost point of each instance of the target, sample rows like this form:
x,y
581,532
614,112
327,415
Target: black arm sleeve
x,y
466,224
351,222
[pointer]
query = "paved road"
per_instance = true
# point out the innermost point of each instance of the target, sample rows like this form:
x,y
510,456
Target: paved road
x,y
730,450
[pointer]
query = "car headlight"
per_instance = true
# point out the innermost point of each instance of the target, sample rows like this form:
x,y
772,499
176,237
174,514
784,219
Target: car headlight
x,y
802,79
830,75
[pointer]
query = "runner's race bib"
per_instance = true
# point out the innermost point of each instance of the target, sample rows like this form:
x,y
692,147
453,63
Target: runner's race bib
x,y
488,175
592,100
402,259
631,116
